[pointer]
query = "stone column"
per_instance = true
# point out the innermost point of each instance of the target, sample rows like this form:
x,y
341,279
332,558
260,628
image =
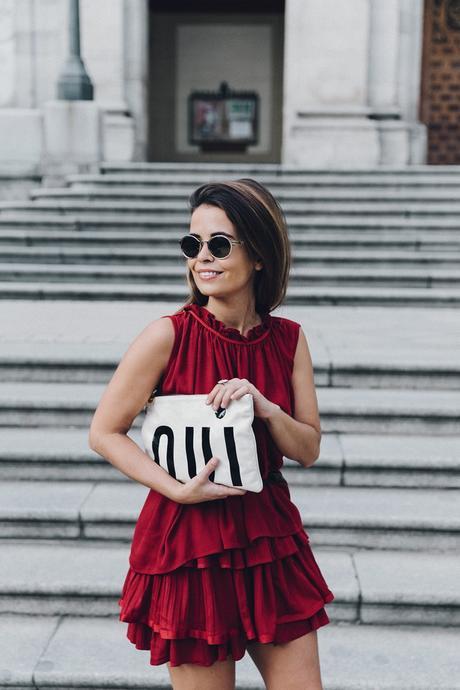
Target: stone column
x,y
7,54
382,75
20,124
325,118
396,28
106,59
135,71
410,75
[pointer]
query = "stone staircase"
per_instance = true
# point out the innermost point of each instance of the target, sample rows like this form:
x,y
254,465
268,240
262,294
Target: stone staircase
x,y
358,237
381,505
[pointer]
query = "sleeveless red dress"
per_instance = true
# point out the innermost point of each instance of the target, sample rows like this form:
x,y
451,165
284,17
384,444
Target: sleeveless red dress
x,y
206,578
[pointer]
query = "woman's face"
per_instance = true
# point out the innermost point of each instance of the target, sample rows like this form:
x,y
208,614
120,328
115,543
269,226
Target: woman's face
x,y
235,273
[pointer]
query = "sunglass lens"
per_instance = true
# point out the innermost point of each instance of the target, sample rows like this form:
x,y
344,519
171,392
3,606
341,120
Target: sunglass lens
x,y
220,247
190,246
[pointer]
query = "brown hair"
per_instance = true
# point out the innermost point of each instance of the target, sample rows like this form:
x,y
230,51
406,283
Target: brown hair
x,y
260,222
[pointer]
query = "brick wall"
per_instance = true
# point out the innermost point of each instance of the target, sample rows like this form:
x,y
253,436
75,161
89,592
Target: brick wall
x,y
440,98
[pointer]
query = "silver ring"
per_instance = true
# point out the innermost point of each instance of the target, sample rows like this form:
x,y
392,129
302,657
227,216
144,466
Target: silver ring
x,y
223,381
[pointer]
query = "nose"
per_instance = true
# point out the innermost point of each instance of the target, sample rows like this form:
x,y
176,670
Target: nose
x,y
204,252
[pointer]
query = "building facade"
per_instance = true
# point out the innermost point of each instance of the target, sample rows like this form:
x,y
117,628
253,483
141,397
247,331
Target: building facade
x,y
361,83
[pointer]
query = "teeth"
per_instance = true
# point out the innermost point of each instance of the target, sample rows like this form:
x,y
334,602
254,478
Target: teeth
x,y
210,273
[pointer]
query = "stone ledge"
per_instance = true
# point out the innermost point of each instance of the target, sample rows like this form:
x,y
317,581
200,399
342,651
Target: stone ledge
x,y
95,653
408,519
395,587
295,296
374,460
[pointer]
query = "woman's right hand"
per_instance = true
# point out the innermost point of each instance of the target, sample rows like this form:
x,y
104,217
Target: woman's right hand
x,y
200,489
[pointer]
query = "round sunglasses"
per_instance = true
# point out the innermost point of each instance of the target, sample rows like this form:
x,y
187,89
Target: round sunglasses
x,y
220,246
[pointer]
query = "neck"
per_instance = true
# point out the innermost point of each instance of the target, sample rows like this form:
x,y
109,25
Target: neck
x,y
241,316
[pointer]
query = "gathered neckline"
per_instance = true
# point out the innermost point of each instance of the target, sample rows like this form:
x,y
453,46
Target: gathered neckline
x,y
255,333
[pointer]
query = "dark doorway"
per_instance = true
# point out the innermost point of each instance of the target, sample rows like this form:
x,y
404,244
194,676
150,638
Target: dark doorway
x,y
194,46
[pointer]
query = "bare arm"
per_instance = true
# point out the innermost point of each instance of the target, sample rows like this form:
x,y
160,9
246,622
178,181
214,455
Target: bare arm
x,y
299,437
137,374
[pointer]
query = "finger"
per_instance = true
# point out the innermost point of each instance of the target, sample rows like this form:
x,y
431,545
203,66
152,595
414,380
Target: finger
x,y
217,402
231,490
239,392
228,395
225,400
228,488
213,392
209,468
236,492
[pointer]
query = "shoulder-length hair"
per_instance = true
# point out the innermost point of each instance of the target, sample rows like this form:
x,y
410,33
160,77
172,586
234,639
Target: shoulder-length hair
x,y
260,222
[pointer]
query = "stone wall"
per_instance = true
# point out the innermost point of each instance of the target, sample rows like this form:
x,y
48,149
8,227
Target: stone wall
x,y
351,80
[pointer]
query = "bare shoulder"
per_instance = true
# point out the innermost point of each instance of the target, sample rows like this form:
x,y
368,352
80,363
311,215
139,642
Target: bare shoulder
x,y
159,332
303,365
136,376
155,340
303,382
302,348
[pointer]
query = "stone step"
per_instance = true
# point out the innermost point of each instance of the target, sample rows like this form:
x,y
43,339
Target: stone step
x,y
76,362
175,275
299,227
295,295
292,209
389,587
318,178
374,460
359,410
278,168
165,244
275,183
334,516
302,193
65,254
65,653
281,177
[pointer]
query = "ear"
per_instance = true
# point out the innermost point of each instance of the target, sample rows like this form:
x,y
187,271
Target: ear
x,y
258,265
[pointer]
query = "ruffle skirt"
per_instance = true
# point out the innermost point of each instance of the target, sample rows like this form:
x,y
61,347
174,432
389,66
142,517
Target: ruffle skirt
x,y
212,606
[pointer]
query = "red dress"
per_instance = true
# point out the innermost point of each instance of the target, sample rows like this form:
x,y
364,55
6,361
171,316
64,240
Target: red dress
x,y
206,578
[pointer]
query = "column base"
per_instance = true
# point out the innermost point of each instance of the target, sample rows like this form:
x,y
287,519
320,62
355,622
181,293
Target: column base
x,y
119,135
73,138
331,141
401,142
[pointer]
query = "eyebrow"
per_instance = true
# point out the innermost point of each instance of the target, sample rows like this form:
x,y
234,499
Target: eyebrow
x,y
221,232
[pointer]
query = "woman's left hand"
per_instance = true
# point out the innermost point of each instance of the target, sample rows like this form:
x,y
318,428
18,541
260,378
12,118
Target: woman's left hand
x,y
222,395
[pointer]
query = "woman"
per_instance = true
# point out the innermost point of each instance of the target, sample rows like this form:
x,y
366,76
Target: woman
x,y
216,570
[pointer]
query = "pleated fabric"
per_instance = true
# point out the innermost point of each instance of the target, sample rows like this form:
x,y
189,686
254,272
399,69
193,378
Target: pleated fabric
x,y
206,579
213,606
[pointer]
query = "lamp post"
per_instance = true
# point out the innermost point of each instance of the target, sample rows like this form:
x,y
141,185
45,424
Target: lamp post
x,y
74,83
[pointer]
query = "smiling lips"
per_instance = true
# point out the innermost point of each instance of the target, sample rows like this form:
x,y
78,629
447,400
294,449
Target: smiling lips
x,y
209,275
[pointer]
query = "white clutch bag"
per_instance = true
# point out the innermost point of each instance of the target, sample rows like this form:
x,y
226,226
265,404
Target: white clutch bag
x,y
181,433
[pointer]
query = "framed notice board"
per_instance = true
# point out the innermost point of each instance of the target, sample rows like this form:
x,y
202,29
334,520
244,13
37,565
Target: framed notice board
x,y
223,120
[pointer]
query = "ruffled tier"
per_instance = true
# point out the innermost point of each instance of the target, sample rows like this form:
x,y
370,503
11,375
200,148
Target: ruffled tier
x,y
168,534
213,606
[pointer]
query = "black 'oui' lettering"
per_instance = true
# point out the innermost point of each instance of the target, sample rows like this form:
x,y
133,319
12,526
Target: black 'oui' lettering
x,y
230,446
